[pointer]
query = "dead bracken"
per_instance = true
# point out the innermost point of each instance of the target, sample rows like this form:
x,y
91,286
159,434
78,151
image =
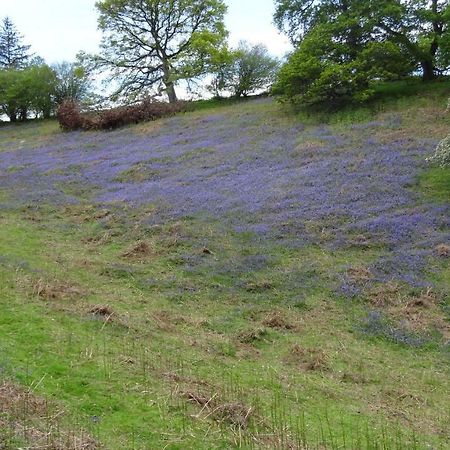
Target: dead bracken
x,y
251,336
140,249
102,311
55,290
359,274
442,250
276,319
309,359
234,413
30,419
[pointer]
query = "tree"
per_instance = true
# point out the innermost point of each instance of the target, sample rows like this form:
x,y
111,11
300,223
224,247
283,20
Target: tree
x,y
420,28
72,82
27,91
13,54
247,69
155,43
320,72
39,89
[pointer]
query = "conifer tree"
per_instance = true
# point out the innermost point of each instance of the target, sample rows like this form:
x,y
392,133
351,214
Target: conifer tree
x,y
13,54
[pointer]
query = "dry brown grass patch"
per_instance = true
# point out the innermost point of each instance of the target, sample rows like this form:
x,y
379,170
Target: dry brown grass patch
x,y
419,313
442,250
359,274
138,250
278,320
388,294
29,419
102,311
54,290
309,359
236,414
251,335
258,286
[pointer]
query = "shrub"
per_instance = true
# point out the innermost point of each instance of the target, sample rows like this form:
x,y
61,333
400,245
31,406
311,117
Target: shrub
x,y
441,156
70,118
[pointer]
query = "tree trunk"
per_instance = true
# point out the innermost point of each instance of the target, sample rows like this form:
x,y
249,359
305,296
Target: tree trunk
x,y
170,89
427,70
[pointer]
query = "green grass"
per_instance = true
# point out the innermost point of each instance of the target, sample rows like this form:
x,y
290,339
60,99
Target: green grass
x,y
435,184
35,132
164,346
392,97
202,352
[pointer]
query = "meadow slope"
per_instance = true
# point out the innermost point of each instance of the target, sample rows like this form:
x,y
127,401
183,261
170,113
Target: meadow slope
x,y
232,277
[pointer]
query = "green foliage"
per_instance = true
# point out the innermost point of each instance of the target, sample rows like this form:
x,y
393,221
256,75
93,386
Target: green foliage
x,y
245,70
72,82
149,46
27,91
321,72
342,46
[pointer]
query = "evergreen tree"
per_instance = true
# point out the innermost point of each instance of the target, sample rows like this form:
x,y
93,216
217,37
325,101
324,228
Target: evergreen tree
x,y
13,54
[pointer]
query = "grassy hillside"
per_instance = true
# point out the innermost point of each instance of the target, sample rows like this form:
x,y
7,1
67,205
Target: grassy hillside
x,y
233,277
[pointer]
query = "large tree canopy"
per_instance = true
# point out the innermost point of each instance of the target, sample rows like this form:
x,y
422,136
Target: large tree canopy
x,y
421,28
245,70
13,54
151,44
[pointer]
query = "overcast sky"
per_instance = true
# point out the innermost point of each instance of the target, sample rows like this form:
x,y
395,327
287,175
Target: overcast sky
x,y
58,29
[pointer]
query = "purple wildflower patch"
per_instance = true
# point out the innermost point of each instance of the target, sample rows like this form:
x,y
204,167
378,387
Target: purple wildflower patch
x,y
250,169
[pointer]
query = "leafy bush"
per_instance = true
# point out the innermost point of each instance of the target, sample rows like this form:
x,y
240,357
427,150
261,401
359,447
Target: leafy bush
x,y
70,118
441,156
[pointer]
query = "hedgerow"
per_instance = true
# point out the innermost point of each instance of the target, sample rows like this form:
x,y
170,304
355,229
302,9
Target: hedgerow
x,y
70,118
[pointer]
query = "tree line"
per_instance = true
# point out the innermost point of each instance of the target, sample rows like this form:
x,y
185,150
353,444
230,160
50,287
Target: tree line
x,y
28,86
149,47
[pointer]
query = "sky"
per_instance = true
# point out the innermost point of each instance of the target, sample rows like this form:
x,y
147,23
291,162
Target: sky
x,y
58,29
